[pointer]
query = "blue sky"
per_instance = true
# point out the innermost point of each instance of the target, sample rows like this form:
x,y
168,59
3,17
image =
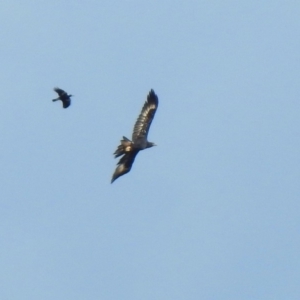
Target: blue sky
x,y
212,212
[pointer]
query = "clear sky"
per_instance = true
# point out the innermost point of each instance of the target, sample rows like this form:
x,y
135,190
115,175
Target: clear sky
x,y
212,212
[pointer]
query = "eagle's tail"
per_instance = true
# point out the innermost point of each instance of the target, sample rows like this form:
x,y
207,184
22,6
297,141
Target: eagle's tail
x,y
126,146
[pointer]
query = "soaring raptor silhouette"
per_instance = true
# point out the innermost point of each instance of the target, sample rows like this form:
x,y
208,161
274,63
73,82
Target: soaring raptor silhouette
x,y
129,149
63,96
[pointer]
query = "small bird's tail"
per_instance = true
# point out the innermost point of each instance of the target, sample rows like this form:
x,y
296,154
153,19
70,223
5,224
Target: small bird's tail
x,y
126,146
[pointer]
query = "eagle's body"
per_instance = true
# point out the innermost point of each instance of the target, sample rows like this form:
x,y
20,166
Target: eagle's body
x,y
63,96
129,149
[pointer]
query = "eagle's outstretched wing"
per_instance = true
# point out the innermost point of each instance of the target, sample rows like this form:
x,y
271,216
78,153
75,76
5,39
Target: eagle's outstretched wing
x,y
124,164
142,125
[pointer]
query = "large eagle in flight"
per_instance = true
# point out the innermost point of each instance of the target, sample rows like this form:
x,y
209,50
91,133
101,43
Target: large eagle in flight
x,y
129,149
63,96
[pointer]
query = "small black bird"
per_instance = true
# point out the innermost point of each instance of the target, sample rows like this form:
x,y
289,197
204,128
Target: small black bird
x,y
63,96
129,149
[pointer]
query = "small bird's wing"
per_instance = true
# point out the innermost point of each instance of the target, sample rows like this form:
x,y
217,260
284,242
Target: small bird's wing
x,y
60,92
66,102
124,165
142,125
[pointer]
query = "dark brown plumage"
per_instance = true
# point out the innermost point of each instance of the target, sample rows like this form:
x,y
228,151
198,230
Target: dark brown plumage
x,y
129,149
63,96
